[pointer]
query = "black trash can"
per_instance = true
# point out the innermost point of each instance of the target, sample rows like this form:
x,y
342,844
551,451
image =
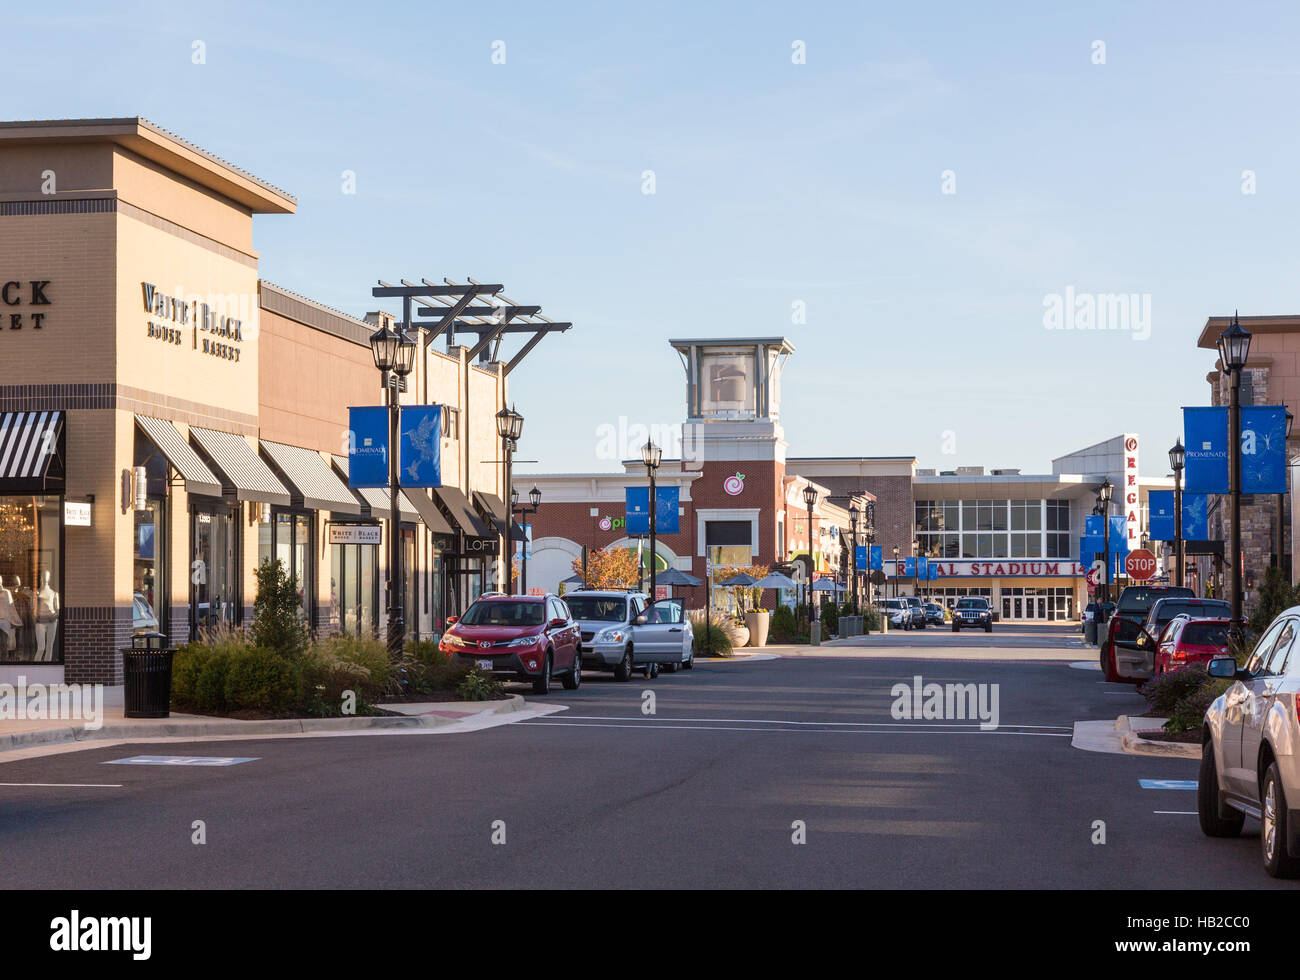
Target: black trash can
x,y
147,677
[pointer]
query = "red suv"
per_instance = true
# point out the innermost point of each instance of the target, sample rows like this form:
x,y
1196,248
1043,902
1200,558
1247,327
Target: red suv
x,y
522,637
1191,641
1121,655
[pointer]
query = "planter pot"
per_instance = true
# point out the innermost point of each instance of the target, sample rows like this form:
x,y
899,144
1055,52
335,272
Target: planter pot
x,y
756,622
739,636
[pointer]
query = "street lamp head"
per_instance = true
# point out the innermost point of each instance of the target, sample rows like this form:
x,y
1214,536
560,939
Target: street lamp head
x,y
510,424
1234,346
1177,457
1105,490
514,496
405,354
853,515
1289,419
383,345
810,495
535,496
651,455
895,551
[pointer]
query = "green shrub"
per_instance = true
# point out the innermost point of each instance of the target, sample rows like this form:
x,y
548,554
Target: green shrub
x,y
478,687
830,616
711,641
425,652
187,665
210,685
261,679
1189,713
871,620
783,628
277,623
1165,692
359,661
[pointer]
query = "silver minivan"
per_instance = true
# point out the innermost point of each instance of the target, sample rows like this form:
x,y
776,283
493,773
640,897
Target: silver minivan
x,y
1249,761
623,632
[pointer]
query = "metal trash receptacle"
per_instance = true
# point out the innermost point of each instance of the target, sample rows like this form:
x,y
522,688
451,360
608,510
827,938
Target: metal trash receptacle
x,y
147,677
1090,632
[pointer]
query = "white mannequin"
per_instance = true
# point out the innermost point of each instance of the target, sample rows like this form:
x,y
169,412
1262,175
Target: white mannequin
x,y
8,618
47,618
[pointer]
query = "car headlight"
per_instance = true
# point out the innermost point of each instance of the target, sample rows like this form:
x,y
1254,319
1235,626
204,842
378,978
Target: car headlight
x,y
522,641
456,641
610,636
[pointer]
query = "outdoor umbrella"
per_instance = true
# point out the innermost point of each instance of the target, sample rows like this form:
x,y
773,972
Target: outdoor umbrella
x,y
677,577
740,578
572,580
775,580
827,585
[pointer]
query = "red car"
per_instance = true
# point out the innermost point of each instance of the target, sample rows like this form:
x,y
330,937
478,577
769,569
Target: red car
x,y
521,637
1121,656
1191,641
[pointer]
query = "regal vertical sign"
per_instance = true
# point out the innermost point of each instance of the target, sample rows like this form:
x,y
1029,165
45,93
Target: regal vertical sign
x,y
1132,498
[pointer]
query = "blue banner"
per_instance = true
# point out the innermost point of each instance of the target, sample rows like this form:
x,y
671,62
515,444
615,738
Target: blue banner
x,y
923,567
1205,434
667,501
419,446
637,504
637,510
860,558
1119,534
1263,449
909,566
1090,546
877,558
368,447
1093,525
1160,520
1196,521
934,571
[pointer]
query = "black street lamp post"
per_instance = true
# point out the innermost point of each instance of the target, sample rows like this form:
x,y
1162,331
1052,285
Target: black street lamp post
x,y
534,498
853,565
1234,348
652,456
814,626
394,353
1177,460
895,571
510,426
1104,493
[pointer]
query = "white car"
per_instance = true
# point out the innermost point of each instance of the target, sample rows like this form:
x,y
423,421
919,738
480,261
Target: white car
x,y
897,611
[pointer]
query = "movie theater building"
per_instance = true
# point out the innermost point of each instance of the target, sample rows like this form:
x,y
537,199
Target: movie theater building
x,y
167,420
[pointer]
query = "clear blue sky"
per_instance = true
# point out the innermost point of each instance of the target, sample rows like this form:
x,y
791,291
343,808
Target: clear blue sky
x,y
775,183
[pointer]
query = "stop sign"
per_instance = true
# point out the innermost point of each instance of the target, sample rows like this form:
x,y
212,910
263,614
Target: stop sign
x,y
1140,565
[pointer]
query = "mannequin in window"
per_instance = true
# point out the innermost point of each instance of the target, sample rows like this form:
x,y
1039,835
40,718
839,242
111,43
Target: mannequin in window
x,y
47,618
9,620
24,605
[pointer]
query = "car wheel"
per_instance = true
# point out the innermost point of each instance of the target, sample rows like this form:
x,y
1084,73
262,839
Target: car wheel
x,y
690,661
1209,803
623,672
573,679
543,684
671,668
1272,827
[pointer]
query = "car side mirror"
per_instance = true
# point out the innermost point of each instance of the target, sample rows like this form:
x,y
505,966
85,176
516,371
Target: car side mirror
x,y
1225,667
639,621
452,620
559,623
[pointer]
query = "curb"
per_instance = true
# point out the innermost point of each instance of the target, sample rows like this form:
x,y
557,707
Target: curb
x,y
1134,744
234,727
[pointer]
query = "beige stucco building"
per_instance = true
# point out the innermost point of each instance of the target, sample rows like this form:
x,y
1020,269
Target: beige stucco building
x,y
170,420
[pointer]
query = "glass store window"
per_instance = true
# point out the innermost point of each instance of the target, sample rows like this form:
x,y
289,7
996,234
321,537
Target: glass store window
x,y
290,537
31,579
215,597
354,588
410,585
148,571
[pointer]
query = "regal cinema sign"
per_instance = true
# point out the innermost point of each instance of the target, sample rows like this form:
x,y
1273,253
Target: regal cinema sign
x,y
999,568
1132,507
176,317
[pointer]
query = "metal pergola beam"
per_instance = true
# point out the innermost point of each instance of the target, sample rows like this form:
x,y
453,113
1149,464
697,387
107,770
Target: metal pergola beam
x,y
480,311
429,289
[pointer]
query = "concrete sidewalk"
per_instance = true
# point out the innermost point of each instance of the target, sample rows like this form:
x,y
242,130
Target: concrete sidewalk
x,y
1120,738
21,733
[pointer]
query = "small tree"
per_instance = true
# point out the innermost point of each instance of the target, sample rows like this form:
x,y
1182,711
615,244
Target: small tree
x,y
276,623
1276,593
612,569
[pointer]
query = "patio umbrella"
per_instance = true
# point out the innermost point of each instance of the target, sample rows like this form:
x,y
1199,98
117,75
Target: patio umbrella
x,y
775,580
572,580
740,578
827,585
675,576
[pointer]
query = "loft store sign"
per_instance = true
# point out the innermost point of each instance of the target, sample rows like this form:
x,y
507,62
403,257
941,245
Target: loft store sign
x,y
28,294
1003,568
175,318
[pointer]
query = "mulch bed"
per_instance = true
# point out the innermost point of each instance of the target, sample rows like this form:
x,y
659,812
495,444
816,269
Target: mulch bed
x,y
437,697
1189,738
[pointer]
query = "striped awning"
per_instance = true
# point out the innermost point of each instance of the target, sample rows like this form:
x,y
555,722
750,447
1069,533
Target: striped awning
x,y
316,486
182,457
242,471
32,451
376,498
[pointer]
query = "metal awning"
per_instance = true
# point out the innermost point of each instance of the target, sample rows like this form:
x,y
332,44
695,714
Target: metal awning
x,y
182,457
462,513
376,498
32,451
429,512
492,505
241,470
315,484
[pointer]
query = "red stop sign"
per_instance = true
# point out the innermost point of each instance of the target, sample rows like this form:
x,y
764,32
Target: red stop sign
x,y
1140,564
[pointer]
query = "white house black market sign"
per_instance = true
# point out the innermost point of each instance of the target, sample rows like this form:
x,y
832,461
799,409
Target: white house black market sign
x,y
213,334
27,295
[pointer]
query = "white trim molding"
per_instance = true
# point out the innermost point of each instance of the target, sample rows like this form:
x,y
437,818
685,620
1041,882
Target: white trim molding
x,y
704,515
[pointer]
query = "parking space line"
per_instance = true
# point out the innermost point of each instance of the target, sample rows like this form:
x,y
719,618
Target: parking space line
x,y
781,721
882,730
1167,783
1181,813
69,785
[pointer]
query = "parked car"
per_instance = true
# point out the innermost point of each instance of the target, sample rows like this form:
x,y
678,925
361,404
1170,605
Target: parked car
x,y
918,610
1248,764
1090,612
972,610
612,639
934,613
1162,613
1186,641
898,612
1125,626
526,638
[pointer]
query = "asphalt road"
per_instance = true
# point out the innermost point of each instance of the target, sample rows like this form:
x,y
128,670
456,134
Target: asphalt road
x,y
703,793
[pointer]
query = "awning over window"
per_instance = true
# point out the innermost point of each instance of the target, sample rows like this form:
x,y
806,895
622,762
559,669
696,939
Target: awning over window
x,y
462,512
315,485
429,512
495,508
242,471
376,498
32,451
182,457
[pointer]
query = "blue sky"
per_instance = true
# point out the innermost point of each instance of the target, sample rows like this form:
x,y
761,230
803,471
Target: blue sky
x,y
775,183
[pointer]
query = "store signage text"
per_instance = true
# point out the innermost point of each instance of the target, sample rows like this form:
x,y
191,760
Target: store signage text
x,y
174,314
996,569
12,294
1132,510
76,513
356,534
610,523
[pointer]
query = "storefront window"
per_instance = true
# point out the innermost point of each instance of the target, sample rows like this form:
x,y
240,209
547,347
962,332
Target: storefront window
x,y
410,579
353,598
31,579
149,578
287,537
215,598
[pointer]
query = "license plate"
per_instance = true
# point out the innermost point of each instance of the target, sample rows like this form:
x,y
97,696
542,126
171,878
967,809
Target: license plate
x,y
483,664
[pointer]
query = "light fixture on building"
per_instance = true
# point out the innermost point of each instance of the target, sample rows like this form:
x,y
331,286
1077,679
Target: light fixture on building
x,y
141,488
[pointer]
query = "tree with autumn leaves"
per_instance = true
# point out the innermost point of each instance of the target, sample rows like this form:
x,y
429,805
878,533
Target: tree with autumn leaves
x,y
613,569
